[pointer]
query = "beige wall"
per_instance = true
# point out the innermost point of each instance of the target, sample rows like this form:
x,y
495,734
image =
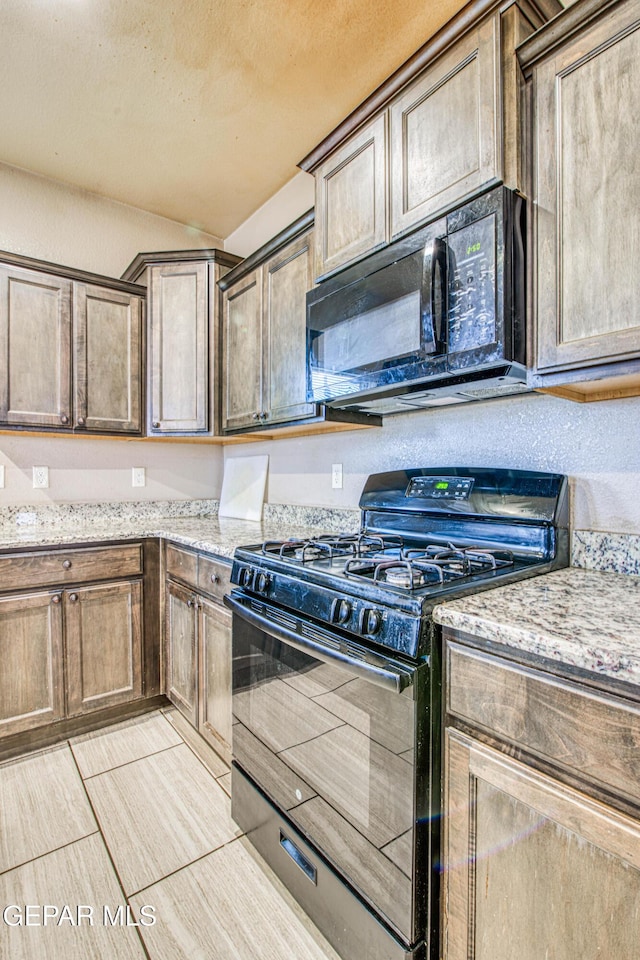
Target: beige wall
x,y
51,221
285,206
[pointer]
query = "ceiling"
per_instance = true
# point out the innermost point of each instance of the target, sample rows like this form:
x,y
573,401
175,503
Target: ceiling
x,y
196,110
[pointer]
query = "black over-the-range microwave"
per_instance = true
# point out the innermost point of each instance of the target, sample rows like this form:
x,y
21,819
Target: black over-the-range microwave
x,y
437,317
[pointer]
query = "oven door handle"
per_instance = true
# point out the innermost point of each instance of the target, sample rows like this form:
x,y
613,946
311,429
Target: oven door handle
x,y
391,676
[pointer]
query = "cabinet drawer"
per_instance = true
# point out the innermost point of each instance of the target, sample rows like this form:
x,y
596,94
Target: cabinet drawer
x,y
590,734
182,564
20,570
214,577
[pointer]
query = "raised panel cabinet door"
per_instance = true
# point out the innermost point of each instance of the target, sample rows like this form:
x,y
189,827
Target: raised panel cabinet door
x,y
103,632
107,354
533,868
179,348
181,664
242,397
351,199
31,675
287,278
35,348
214,641
444,130
587,191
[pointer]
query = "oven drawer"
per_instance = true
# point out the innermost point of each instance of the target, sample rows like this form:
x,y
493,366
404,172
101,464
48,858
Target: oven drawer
x,y
589,734
69,566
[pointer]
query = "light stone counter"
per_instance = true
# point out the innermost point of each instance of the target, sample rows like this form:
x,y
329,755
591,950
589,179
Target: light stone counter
x,y
583,618
25,527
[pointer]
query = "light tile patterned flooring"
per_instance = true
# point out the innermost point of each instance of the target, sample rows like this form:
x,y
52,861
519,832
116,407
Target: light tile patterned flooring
x,y
130,816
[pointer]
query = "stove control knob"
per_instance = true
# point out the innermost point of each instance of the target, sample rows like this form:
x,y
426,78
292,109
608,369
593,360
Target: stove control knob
x,y
369,622
340,610
246,577
262,582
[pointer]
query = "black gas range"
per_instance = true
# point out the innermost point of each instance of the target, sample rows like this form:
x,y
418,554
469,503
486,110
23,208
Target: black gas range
x,y
336,689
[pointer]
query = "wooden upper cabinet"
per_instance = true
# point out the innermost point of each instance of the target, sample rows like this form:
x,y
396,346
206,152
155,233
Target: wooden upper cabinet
x,y
178,348
70,348
444,130
35,348
107,359
183,333
264,338
585,101
242,352
351,199
287,277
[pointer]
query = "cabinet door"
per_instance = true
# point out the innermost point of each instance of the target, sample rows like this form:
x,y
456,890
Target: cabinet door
x,y
214,641
103,626
533,868
587,102
31,676
351,199
181,684
107,353
444,130
35,348
287,277
179,348
242,353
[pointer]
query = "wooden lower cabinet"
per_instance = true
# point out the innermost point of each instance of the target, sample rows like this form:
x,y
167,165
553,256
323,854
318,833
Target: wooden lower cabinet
x,y
198,646
103,627
541,827
31,675
214,717
532,867
181,660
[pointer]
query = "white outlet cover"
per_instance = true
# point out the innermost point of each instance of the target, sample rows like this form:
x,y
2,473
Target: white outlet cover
x,y
40,478
336,476
138,477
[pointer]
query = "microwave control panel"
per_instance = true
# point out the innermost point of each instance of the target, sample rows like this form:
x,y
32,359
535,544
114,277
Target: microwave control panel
x,y
440,488
472,285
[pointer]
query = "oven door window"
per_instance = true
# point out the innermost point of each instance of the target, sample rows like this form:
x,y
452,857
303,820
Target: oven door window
x,y
335,752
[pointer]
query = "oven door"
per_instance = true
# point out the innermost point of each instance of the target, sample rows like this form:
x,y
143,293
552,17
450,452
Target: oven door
x,y
334,735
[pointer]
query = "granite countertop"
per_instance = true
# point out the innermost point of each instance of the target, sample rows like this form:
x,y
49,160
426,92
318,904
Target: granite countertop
x,y
583,618
215,535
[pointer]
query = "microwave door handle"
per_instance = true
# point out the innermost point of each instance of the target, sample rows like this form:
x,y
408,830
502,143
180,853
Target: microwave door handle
x,y
435,255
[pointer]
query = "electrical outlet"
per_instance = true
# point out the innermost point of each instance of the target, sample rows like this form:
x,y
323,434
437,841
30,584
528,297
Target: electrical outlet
x,y
1,476
336,476
40,478
138,478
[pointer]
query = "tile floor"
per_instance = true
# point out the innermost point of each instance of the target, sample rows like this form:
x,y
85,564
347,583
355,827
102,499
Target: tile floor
x,y
105,832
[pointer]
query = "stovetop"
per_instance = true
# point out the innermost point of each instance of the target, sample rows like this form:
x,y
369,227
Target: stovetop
x,y
427,535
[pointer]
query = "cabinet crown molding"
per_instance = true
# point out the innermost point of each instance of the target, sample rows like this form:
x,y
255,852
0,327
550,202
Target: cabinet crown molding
x,y
210,254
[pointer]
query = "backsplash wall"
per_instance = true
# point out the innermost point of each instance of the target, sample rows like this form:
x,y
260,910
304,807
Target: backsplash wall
x,y
596,444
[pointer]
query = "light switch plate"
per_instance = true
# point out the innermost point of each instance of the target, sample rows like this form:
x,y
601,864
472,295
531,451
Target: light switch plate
x,y
138,477
40,478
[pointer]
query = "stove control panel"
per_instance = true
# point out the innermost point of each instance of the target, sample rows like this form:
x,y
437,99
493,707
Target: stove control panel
x,y
440,488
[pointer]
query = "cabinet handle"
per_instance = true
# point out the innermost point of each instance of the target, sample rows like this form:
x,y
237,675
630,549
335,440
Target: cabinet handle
x,y
81,421
73,597
64,418
215,578
155,424
66,564
56,598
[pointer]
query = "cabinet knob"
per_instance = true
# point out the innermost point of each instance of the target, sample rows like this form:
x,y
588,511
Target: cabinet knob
x,y
64,418
73,597
81,421
264,415
155,424
192,602
215,578
55,598
256,416
66,564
